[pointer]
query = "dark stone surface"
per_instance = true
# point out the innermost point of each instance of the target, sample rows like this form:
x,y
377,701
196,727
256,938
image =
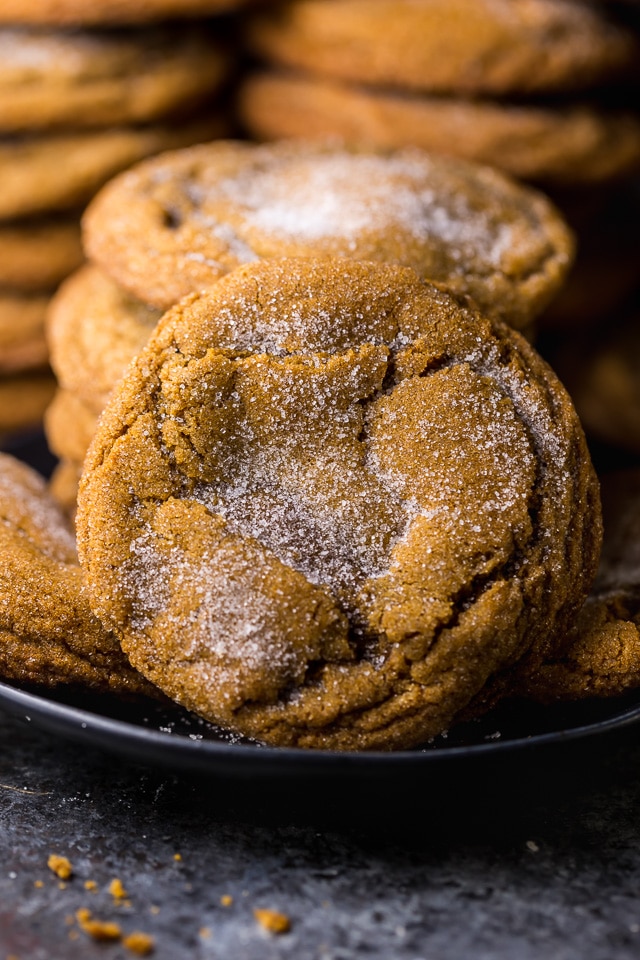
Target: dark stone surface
x,y
395,872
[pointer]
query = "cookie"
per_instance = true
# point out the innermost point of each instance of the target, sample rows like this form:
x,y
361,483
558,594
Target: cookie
x,y
94,329
330,507
177,223
553,144
48,635
69,425
37,254
444,46
600,656
63,485
24,397
108,12
57,172
83,78
22,339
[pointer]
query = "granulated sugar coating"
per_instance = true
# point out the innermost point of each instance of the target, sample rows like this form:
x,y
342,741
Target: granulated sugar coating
x,y
48,635
329,507
178,223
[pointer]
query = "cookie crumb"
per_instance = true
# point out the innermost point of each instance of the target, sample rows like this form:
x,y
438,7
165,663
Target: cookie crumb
x,y
272,920
532,846
38,883
153,909
98,929
177,856
91,885
204,933
140,943
117,890
226,900
60,866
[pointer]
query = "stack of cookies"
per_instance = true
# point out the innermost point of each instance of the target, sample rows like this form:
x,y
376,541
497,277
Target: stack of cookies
x,y
82,97
543,89
328,502
175,224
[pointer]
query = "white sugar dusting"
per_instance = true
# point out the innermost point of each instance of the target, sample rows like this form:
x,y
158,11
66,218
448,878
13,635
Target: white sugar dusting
x,y
25,505
343,196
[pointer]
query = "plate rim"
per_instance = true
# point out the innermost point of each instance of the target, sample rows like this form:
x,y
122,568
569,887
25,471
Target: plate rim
x,y
122,736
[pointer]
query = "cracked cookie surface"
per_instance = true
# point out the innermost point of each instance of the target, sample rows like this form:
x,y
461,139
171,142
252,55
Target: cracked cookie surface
x,y
176,224
328,507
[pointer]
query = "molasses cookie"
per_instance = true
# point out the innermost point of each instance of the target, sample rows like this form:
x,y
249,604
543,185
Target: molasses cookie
x,y
94,329
94,79
24,397
555,143
600,656
41,174
22,338
330,507
177,223
108,12
464,46
48,635
37,254
69,425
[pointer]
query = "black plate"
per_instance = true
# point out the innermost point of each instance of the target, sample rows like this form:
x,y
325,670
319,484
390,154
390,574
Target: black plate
x,y
176,740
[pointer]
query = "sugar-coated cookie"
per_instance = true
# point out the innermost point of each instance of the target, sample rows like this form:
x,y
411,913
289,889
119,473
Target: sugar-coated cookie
x,y
177,223
330,507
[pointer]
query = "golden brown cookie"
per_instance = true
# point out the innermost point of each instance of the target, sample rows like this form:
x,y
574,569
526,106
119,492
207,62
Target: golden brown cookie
x,y
329,507
63,485
600,656
57,172
22,338
552,144
179,222
464,46
94,329
24,397
48,635
36,254
69,425
94,79
79,12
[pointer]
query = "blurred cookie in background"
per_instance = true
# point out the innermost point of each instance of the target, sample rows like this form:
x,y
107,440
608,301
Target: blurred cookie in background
x,y
76,107
513,83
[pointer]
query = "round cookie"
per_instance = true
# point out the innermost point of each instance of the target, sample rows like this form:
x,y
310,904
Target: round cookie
x,y
48,635
37,254
63,485
61,171
94,329
553,144
24,397
445,46
109,12
330,507
600,656
94,79
22,339
69,425
177,223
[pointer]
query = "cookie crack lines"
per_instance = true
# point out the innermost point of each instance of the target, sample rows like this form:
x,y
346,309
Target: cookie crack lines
x,y
268,568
